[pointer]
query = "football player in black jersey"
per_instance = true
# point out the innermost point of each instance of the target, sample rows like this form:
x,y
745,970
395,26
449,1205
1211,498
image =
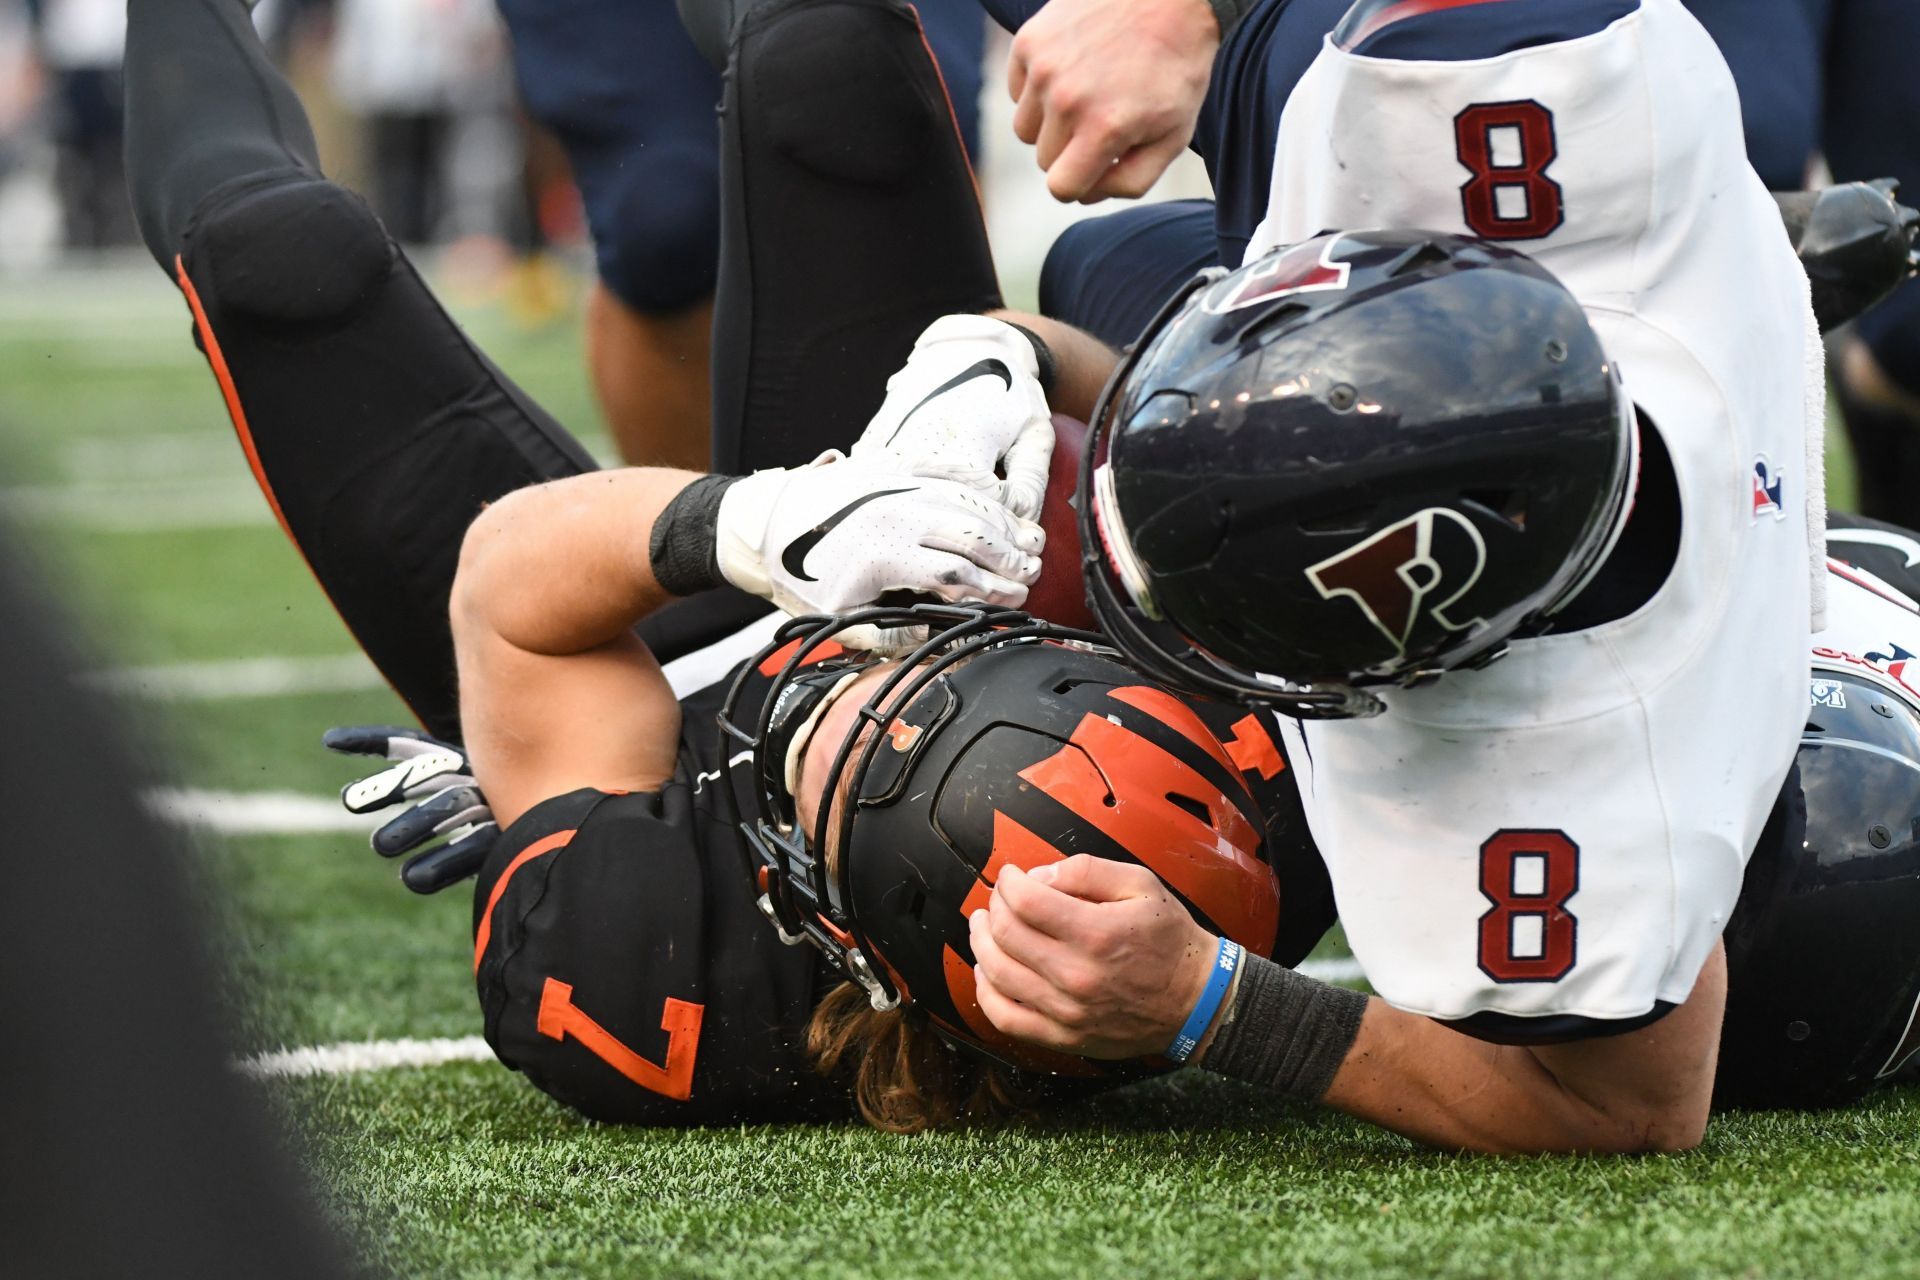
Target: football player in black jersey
x,y
621,958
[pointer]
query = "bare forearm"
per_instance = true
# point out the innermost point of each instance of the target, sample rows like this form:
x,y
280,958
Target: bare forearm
x,y
1082,362
562,568
1647,1090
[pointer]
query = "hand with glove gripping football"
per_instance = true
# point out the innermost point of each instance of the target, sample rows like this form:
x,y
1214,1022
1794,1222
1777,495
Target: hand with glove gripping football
x,y
841,533
969,406
434,781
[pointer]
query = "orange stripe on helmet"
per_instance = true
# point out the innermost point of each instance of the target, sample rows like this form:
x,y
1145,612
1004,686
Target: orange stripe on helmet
x,y
1175,714
1122,784
1253,749
1013,845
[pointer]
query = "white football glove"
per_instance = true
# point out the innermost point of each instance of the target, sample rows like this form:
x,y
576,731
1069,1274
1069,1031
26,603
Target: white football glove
x,y
840,532
967,407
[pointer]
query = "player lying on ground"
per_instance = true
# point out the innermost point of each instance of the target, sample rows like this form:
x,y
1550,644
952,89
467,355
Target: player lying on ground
x,y
378,432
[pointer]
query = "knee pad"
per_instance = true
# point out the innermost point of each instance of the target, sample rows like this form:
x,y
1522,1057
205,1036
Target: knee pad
x,y
656,232
297,250
846,90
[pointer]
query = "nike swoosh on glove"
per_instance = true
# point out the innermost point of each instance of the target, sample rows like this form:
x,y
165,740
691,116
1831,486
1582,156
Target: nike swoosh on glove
x,y
435,782
968,407
840,533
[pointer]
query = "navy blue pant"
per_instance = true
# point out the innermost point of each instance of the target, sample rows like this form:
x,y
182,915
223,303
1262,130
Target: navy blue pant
x,y
622,87
1831,76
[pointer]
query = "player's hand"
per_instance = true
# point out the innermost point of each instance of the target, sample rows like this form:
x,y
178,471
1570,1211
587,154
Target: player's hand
x,y
967,407
434,781
840,533
1108,90
1089,956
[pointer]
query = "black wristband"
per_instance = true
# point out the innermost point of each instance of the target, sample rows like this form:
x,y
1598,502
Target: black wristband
x,y
1049,369
684,547
1285,1031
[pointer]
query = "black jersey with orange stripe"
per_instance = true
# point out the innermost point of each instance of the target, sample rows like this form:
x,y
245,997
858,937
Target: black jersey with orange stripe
x,y
624,968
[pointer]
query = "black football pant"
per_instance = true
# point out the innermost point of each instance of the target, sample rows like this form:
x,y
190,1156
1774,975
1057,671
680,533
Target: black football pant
x,y
375,427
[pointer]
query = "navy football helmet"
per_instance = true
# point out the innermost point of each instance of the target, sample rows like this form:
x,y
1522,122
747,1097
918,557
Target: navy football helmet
x,y
1363,460
1823,952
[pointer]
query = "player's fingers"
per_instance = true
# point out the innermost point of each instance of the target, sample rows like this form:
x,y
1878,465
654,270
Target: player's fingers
x,y
958,581
1134,174
1020,1021
1052,959
1055,136
1016,979
1092,879
1045,909
450,863
1024,490
442,765
367,739
987,549
434,816
1085,159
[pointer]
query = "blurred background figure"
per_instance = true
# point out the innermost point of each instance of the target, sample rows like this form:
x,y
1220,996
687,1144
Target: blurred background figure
x,y
416,72
78,43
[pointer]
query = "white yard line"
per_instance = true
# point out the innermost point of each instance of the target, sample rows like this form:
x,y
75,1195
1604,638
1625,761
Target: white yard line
x,y
255,813
363,1055
241,678
150,507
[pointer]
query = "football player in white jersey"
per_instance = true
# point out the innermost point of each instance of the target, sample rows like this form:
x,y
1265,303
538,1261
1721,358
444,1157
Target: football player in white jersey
x,y
1534,861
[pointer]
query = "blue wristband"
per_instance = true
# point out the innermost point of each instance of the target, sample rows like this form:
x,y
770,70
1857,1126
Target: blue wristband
x,y
1225,962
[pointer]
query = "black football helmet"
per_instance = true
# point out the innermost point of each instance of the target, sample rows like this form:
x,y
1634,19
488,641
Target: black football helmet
x,y
1823,950
1363,460
1000,740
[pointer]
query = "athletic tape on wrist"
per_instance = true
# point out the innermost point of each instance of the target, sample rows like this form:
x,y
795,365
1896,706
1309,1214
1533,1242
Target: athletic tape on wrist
x,y
684,548
1048,370
1286,1031
1226,961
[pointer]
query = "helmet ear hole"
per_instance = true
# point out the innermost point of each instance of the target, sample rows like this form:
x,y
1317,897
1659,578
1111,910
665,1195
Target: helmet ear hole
x,y
1195,807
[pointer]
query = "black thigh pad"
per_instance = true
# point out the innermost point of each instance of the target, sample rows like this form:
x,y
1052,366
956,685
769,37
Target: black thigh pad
x,y
852,100
297,250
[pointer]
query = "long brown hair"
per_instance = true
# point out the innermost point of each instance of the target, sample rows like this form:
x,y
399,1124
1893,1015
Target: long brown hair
x,y
905,1078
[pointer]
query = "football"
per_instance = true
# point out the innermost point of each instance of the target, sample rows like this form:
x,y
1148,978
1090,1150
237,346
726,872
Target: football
x,y
1060,594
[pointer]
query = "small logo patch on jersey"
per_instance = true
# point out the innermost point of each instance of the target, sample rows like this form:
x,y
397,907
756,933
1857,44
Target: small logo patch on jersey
x,y
1283,273
1769,488
1829,693
1435,553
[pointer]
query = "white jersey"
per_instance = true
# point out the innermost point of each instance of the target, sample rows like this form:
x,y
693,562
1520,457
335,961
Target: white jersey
x,y
1564,832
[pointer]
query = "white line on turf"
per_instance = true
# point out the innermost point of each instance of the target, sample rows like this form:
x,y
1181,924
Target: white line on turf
x,y
240,678
363,1055
254,813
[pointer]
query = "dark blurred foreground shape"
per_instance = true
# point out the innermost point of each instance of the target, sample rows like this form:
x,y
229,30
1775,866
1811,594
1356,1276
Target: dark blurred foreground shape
x,y
128,1144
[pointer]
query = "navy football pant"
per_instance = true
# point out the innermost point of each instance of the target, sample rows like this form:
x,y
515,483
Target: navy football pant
x,y
634,104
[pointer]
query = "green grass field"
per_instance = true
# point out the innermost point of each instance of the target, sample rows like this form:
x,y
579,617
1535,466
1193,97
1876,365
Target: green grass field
x,y
115,450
